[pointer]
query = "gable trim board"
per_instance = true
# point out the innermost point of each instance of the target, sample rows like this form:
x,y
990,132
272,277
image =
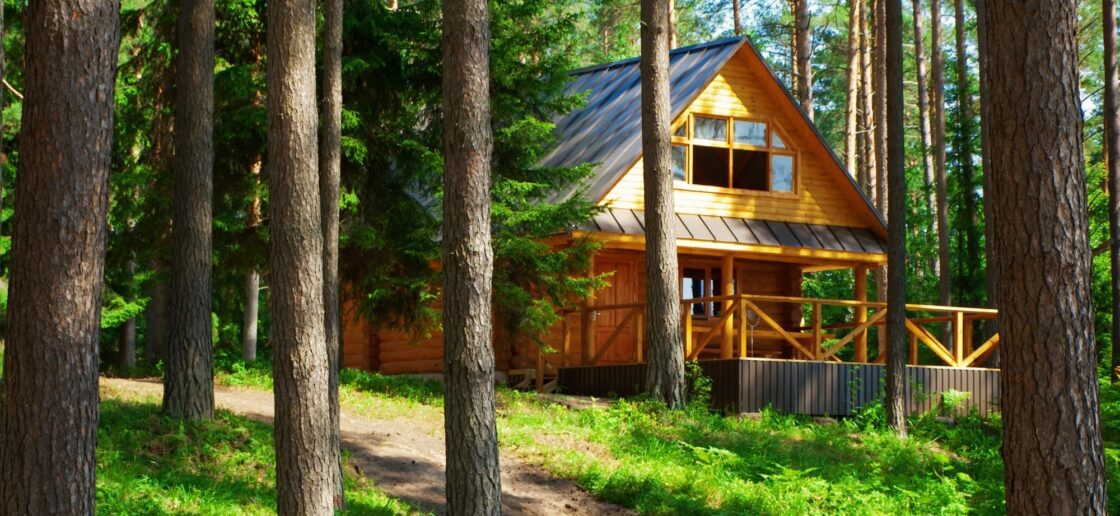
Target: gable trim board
x,y
607,130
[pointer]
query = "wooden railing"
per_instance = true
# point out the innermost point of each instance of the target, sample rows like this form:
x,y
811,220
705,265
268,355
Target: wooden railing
x,y
740,316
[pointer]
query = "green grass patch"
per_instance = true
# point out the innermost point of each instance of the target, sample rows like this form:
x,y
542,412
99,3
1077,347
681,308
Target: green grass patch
x,y
148,464
640,455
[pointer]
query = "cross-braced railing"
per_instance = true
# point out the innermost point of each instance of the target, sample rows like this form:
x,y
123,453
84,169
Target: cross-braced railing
x,y
733,321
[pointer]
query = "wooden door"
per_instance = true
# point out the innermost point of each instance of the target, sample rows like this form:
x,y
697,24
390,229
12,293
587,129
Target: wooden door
x,y
622,289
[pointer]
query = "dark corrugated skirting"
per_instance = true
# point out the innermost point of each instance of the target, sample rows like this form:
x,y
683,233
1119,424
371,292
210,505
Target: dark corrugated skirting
x,y
800,387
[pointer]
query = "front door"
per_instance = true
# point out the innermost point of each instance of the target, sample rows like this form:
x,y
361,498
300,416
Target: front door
x,y
622,289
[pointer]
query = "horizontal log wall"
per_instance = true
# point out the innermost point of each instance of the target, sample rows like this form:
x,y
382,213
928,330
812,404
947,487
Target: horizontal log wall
x,y
799,387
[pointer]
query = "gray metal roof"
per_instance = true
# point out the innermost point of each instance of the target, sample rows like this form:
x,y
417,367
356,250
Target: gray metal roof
x,y
607,130
745,231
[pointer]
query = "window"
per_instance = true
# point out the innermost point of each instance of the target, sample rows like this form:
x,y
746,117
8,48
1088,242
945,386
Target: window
x,y
734,153
699,281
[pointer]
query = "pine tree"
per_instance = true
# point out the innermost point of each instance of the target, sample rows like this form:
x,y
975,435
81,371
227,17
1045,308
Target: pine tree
x,y
189,379
329,174
1052,451
473,475
304,465
48,414
665,370
895,401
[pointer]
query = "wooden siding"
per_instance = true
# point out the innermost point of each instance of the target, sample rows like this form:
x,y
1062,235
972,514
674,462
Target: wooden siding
x,y
824,195
395,352
800,387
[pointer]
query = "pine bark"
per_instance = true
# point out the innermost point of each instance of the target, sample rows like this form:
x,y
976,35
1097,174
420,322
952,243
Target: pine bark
x,y
48,416
188,387
665,371
803,56
126,341
304,464
923,118
1112,161
992,326
329,174
879,73
156,331
1052,451
895,401
252,288
473,476
937,129
867,106
735,10
672,24
851,110
964,148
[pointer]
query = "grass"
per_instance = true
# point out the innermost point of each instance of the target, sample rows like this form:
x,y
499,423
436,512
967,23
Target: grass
x,y
639,455
642,456
148,464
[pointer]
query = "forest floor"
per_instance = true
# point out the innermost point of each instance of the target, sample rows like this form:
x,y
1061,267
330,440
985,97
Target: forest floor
x,y
404,457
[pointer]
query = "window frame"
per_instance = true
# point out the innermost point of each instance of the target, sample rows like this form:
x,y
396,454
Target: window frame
x,y
710,268
690,142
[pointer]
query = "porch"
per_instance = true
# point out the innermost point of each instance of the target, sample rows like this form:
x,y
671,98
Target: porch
x,y
819,362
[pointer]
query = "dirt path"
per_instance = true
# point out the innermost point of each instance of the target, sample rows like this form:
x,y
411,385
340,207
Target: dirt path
x,y
403,459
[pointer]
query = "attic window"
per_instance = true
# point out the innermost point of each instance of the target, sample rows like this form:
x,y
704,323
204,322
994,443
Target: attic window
x,y
734,153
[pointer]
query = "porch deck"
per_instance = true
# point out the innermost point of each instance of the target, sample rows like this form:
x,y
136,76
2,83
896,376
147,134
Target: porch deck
x,y
822,367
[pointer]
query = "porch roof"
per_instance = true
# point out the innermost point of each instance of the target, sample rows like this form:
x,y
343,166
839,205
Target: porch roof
x,y
734,230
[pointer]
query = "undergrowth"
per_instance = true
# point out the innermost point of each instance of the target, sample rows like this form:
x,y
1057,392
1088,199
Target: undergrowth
x,y
148,464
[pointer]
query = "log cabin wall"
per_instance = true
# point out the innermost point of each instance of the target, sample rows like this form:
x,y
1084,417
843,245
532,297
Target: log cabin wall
x,y
395,352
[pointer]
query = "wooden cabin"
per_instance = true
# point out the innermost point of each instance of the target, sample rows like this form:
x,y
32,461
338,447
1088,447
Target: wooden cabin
x,y
760,201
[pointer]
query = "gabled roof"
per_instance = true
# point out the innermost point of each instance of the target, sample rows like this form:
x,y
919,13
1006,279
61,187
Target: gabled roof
x,y
607,130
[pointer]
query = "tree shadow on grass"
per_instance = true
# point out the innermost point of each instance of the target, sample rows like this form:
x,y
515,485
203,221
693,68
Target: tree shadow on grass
x,y
688,462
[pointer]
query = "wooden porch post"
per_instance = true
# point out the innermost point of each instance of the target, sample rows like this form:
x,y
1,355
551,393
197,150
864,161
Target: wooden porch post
x,y
728,288
861,313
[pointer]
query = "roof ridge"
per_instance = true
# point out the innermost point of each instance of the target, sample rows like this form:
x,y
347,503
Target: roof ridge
x,y
673,52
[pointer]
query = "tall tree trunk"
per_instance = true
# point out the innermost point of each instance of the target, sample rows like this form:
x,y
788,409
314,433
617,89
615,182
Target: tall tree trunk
x,y
672,24
155,337
735,10
48,415
1052,452
803,56
665,371
895,401
473,477
304,465
867,107
923,120
126,342
851,110
937,110
964,149
250,320
1112,148
879,72
188,388
986,164
330,152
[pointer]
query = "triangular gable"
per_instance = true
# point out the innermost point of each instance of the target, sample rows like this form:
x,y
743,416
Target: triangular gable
x,y
607,130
